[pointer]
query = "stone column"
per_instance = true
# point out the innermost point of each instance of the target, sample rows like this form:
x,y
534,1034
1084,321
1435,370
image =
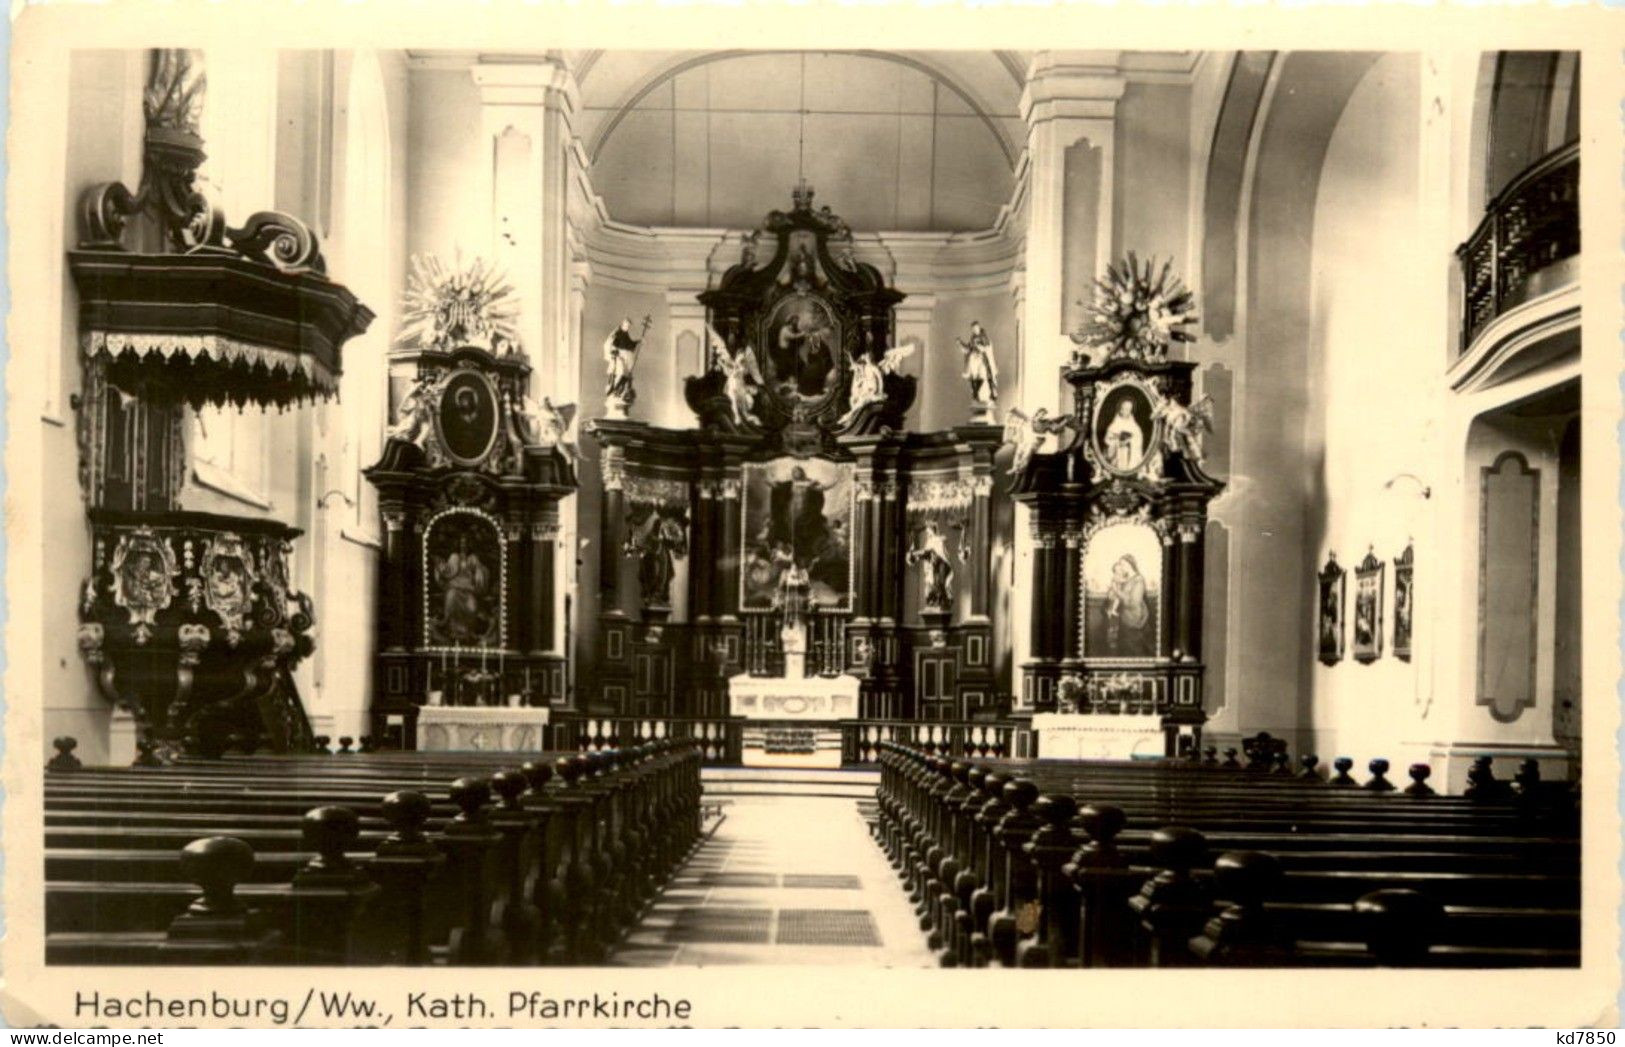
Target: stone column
x,y
1188,636
543,540
703,549
1071,640
612,531
395,610
981,531
728,561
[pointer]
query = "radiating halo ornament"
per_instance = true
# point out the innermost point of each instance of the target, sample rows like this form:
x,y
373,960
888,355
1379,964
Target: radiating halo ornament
x,y
1137,312
449,307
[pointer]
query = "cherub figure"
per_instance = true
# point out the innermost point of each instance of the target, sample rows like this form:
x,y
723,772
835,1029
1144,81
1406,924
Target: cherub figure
x,y
1185,426
869,378
1026,435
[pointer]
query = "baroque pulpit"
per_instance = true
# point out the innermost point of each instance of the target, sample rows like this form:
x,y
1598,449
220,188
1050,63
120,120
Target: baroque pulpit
x,y
189,620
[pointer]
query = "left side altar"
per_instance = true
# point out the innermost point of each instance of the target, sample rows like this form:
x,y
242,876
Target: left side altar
x,y
468,654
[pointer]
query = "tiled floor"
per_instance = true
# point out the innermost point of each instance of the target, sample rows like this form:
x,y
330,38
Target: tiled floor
x,y
783,880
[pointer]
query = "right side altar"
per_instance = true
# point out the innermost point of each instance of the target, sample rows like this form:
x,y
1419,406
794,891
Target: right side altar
x,y
1117,515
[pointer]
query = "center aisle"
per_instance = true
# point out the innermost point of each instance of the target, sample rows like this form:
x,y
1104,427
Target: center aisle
x,y
783,880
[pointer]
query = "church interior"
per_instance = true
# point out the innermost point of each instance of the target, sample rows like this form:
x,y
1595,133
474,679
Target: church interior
x,y
986,438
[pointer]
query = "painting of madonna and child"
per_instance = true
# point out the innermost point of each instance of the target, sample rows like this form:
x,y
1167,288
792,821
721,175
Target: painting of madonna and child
x,y
798,515
1122,589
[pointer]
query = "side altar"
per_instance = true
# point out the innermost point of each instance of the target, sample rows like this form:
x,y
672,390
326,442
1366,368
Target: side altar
x,y
1118,512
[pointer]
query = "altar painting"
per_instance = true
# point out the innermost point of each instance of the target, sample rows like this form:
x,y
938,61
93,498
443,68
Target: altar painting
x,y
463,581
1122,593
803,352
797,512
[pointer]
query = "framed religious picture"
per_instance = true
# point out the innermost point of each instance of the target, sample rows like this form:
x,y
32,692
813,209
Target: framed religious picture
x,y
1329,611
804,354
467,418
1403,595
1122,594
464,581
1368,585
797,514
1125,431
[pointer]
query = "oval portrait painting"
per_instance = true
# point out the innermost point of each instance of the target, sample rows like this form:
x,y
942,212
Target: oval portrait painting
x,y
468,417
804,354
1125,431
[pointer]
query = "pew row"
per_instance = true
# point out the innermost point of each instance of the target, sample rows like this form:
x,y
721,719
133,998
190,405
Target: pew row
x,y
1173,863
364,858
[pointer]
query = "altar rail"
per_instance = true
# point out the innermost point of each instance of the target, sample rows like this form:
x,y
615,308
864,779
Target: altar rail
x,y
862,740
1531,224
717,737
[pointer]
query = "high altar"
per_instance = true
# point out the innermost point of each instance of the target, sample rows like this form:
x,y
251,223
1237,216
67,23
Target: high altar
x,y
837,563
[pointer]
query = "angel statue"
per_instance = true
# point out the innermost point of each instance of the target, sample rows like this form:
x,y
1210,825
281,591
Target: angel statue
x,y
869,378
545,424
1185,426
414,418
981,371
1027,434
620,356
741,377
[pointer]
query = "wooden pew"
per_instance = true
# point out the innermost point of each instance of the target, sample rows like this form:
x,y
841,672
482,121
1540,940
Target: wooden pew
x,y
1005,865
564,863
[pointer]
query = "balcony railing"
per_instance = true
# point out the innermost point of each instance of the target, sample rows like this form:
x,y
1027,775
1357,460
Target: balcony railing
x,y
1531,224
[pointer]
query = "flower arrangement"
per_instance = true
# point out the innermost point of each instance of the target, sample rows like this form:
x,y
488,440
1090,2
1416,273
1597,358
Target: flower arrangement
x,y
1138,312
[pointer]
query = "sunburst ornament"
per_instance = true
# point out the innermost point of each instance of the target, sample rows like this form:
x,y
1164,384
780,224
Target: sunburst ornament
x,y
447,308
1137,312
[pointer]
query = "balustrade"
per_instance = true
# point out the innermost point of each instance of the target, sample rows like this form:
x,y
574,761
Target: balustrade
x,y
1531,224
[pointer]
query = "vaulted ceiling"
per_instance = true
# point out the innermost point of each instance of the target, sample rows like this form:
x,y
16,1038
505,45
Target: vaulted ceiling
x,y
892,140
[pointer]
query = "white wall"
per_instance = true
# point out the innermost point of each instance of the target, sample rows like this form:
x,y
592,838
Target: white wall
x,y
1375,387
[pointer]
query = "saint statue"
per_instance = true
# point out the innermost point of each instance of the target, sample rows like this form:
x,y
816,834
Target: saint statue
x,y
620,355
937,570
1125,440
981,371
657,542
1128,611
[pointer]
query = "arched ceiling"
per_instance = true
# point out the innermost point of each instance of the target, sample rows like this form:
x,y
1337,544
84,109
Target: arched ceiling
x,y
891,140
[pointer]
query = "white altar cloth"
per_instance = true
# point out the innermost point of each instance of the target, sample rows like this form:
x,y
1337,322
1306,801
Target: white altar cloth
x,y
482,728
792,722
1098,736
